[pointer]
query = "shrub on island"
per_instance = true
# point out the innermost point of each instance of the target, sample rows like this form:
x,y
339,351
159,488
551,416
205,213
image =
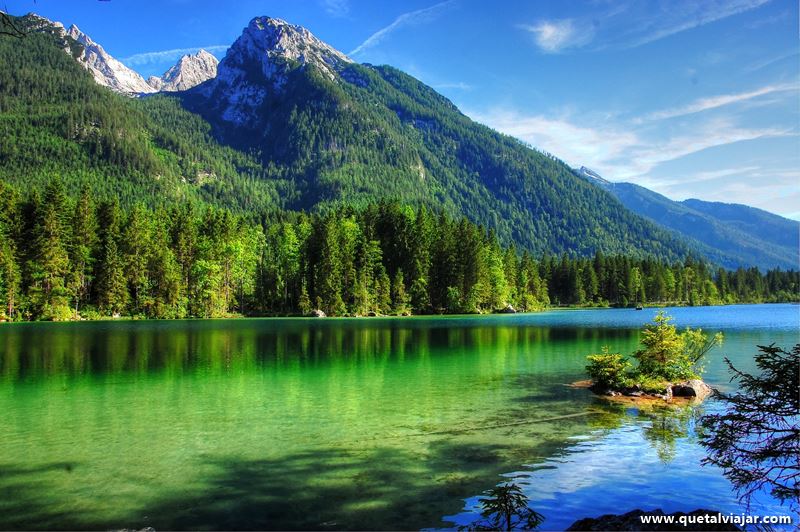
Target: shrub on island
x,y
669,363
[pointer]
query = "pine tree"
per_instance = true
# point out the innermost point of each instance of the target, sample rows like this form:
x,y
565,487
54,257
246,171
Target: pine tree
x,y
82,249
112,290
401,302
10,271
49,264
137,250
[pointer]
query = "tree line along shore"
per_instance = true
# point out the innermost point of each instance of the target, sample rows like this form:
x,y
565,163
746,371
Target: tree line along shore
x,y
64,258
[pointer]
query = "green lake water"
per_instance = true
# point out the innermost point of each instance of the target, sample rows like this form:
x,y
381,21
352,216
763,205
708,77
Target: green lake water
x,y
351,423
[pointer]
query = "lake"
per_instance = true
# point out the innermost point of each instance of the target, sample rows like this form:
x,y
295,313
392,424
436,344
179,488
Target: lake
x,y
347,423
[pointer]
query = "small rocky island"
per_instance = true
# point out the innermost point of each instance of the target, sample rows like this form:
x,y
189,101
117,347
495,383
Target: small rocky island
x,y
669,366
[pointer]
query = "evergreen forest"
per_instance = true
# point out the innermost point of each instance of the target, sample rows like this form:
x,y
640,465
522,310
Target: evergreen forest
x,y
66,259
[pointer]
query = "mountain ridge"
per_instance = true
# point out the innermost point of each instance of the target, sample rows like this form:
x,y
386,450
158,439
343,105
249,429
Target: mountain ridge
x,y
738,235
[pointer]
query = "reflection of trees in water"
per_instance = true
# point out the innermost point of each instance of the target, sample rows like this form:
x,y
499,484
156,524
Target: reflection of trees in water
x,y
662,425
75,349
667,426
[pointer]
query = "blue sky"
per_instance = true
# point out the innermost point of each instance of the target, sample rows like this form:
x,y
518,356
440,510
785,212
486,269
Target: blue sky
x,y
691,98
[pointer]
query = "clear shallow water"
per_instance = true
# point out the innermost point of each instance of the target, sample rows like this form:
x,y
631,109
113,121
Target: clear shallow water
x,y
378,423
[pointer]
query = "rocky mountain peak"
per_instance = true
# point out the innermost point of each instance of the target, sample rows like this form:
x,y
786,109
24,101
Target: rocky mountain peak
x,y
591,175
272,42
34,22
105,69
189,71
259,64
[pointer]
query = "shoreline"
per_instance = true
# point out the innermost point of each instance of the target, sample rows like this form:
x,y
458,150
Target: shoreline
x,y
125,319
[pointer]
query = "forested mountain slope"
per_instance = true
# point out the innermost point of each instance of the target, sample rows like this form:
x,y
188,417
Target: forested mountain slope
x,y
761,224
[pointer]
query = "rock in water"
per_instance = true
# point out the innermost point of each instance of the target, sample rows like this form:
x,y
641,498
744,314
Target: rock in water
x,y
691,388
317,313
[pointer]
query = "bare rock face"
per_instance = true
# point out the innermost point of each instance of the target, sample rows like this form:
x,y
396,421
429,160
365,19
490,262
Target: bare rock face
x,y
259,62
190,70
317,313
106,70
508,309
155,82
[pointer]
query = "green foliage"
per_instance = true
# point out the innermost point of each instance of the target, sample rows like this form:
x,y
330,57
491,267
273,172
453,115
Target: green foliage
x,y
756,441
666,356
670,355
649,383
505,507
608,370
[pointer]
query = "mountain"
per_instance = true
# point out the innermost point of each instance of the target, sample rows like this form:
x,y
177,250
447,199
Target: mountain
x,y
730,234
189,71
56,120
347,133
259,65
105,70
291,123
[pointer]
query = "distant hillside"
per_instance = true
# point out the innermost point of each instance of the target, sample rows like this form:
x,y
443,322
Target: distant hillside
x,y
732,235
765,225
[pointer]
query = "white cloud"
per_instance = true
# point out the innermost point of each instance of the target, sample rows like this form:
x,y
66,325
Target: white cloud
x,y
576,144
147,58
632,24
460,85
336,8
616,152
677,17
420,16
713,102
643,158
553,36
712,175
771,61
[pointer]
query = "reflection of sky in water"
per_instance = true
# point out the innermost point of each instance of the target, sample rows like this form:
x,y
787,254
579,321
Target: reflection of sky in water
x,y
730,317
616,471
